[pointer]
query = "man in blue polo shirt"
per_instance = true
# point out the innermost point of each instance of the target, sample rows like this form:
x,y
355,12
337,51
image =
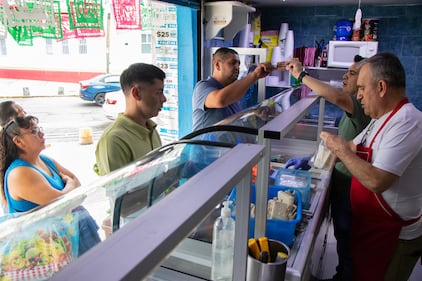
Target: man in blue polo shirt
x,y
218,96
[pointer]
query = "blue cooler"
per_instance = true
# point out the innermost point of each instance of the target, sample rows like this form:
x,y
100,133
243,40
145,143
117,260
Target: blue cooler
x,y
280,230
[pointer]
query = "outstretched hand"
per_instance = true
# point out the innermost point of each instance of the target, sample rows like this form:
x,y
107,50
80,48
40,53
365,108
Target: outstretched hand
x,y
294,66
263,69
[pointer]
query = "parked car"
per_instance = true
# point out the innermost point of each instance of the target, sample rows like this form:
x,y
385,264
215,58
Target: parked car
x,y
95,89
114,103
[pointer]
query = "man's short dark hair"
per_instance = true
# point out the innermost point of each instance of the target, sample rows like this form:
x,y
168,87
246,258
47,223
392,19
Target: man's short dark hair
x,y
7,112
223,53
358,58
140,72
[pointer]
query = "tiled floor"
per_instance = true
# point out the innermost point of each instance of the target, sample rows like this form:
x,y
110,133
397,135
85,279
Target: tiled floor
x,y
330,260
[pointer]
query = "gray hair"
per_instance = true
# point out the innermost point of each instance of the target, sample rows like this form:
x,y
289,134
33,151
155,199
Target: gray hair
x,y
387,66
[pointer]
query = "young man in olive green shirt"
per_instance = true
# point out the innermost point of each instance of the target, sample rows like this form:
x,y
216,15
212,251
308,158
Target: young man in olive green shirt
x,y
123,142
133,134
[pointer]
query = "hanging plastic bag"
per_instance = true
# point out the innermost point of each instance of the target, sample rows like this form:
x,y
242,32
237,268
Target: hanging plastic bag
x,y
322,157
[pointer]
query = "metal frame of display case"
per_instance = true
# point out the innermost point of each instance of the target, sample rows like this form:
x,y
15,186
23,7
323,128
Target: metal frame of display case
x,y
299,265
276,129
278,135
134,251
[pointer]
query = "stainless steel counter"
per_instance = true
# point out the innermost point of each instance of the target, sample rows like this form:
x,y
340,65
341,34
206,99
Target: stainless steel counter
x,y
299,265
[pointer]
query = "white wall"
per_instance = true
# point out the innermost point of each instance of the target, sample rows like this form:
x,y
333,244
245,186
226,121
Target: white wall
x,y
125,49
36,57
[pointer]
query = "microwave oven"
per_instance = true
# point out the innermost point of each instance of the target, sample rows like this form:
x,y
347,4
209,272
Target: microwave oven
x,y
342,53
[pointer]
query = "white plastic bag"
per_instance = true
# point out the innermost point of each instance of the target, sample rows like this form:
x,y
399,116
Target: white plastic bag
x,y
322,157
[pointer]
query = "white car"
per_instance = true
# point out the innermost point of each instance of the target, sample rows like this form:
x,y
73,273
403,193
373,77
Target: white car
x,y
114,103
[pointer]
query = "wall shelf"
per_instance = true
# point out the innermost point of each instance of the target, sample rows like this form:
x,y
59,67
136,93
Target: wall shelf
x,y
232,16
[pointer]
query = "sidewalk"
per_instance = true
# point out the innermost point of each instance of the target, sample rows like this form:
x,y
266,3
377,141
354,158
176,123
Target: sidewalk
x,y
36,88
77,158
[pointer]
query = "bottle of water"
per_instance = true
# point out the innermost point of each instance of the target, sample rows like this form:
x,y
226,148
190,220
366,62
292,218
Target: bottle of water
x,y
223,245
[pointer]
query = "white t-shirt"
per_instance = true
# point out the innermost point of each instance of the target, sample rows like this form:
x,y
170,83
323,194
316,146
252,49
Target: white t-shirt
x,y
398,150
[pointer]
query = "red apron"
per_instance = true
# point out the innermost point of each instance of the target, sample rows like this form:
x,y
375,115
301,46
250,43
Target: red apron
x,y
375,226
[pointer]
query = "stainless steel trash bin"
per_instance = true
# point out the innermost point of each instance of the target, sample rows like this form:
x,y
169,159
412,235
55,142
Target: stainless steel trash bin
x,y
272,271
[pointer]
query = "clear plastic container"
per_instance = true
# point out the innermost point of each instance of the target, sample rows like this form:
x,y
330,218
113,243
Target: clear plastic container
x,y
295,179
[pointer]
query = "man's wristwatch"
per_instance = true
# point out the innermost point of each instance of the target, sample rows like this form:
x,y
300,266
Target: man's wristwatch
x,y
301,75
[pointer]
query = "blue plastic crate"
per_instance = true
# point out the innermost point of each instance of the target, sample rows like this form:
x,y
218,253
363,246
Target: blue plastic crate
x,y
280,230
298,180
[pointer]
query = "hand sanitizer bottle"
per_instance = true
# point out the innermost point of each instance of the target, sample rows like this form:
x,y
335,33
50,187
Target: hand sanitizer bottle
x,y
223,245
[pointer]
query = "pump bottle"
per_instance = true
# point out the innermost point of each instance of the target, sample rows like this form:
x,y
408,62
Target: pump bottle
x,y
223,245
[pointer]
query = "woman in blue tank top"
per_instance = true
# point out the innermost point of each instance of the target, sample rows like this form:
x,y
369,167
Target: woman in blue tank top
x,y
29,179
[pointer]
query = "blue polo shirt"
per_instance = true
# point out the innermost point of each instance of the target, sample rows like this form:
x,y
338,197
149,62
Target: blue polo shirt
x,y
204,117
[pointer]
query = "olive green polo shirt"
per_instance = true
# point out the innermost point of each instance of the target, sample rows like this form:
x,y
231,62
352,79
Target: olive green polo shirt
x,y
350,126
123,142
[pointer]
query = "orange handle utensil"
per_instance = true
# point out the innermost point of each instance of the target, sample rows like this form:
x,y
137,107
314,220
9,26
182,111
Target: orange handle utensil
x,y
254,248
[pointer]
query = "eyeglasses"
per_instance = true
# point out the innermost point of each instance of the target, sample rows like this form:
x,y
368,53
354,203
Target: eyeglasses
x,y
35,131
6,127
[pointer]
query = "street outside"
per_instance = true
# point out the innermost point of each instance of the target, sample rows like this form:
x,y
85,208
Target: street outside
x,y
62,117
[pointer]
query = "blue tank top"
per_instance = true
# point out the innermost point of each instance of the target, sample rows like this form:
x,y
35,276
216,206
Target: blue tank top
x,y
23,205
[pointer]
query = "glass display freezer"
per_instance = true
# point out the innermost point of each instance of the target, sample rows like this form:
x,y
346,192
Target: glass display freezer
x,y
156,201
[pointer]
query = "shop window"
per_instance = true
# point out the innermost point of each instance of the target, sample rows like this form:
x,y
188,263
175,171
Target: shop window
x,y
65,47
3,49
49,46
83,48
145,43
